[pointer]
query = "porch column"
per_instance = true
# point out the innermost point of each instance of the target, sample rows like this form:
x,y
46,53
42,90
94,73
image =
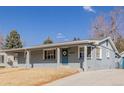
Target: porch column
x,y
16,60
6,60
85,59
28,58
58,56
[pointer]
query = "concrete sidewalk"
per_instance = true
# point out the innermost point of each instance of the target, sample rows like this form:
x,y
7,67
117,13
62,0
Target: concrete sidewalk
x,y
92,78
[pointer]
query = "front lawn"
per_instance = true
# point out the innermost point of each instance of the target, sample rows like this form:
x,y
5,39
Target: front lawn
x,y
32,76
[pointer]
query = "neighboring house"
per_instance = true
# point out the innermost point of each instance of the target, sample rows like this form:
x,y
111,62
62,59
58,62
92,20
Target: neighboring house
x,y
86,54
121,60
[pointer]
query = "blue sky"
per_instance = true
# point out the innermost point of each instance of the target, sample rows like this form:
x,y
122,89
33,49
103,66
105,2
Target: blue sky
x,y
35,24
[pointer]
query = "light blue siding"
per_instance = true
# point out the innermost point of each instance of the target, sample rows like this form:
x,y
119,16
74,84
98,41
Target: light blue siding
x,y
21,58
104,63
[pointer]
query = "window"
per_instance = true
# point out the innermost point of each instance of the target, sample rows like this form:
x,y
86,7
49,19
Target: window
x,y
16,56
1,59
81,53
107,54
89,52
49,54
98,52
107,42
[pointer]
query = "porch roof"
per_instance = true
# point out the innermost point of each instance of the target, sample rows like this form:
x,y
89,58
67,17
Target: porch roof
x,y
53,45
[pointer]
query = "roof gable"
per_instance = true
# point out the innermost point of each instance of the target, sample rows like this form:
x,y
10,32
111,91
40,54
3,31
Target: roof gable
x,y
111,43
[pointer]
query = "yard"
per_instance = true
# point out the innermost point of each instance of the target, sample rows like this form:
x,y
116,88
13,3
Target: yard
x,y
32,77
55,76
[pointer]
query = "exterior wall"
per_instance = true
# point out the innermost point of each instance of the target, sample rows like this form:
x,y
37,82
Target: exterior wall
x,y
21,59
72,57
104,63
10,57
38,61
7,58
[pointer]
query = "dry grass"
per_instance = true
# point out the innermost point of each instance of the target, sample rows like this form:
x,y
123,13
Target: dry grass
x,y
8,70
35,76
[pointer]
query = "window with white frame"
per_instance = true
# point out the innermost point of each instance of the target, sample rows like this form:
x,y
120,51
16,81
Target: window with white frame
x,y
107,54
1,58
81,52
98,52
89,52
49,54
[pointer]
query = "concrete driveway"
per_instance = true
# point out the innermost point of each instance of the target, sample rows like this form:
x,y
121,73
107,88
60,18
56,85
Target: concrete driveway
x,y
93,78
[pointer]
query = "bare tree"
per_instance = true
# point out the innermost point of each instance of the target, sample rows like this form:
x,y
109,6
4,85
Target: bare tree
x,y
116,19
110,25
120,44
99,28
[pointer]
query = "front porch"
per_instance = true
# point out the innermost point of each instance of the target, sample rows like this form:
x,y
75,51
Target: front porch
x,y
72,56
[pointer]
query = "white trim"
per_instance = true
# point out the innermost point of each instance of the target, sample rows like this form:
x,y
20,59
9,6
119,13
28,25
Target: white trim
x,y
85,59
100,52
58,56
43,55
107,53
28,53
91,51
82,46
100,55
111,42
48,50
78,51
122,54
79,46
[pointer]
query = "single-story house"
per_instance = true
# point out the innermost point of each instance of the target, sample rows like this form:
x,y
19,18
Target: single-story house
x,y
85,54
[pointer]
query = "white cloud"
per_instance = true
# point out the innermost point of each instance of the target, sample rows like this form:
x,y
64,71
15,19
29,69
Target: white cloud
x,y
89,9
59,33
60,36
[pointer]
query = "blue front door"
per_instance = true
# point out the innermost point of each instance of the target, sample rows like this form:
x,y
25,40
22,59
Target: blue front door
x,y
64,56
